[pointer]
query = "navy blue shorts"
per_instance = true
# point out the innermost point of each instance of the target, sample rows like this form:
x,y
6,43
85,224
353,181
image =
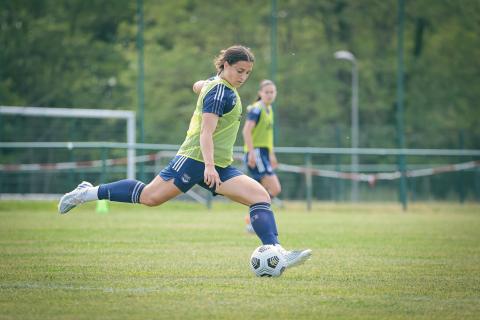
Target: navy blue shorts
x,y
187,172
262,164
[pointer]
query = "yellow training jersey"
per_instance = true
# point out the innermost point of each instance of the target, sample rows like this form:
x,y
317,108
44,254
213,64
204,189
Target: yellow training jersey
x,y
262,133
221,97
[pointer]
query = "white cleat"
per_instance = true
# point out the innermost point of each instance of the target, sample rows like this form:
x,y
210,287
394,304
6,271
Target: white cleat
x,y
73,198
295,257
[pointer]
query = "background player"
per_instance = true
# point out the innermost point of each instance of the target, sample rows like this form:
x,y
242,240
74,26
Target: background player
x,y
260,156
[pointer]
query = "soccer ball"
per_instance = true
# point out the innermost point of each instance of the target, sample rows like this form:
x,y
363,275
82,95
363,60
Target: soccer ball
x,y
267,261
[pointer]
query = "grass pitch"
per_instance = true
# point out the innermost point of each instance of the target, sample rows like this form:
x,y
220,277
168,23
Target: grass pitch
x,y
181,261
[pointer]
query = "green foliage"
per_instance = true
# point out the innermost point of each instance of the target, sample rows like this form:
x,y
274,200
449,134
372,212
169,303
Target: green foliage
x,y
83,54
62,53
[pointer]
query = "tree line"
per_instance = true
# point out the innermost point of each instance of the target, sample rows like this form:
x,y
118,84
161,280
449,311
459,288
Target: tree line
x,y
83,54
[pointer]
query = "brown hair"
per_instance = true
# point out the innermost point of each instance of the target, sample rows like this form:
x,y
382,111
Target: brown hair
x,y
263,84
232,55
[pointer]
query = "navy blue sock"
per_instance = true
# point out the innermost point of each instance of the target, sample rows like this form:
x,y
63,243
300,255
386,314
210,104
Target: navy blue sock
x,y
263,222
127,190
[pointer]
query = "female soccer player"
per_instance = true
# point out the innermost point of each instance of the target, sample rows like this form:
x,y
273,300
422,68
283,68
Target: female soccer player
x,y
204,158
258,137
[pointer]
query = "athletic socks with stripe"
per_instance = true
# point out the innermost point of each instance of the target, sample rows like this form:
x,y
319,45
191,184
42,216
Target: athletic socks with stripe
x,y
263,222
127,190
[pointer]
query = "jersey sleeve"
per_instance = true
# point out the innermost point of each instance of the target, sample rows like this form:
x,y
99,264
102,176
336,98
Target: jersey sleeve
x,y
254,114
218,100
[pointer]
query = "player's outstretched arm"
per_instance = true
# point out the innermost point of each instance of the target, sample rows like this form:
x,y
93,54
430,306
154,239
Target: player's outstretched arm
x,y
197,86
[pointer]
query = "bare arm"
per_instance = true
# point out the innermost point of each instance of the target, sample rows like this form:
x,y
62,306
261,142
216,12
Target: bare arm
x,y
209,123
197,86
273,159
247,137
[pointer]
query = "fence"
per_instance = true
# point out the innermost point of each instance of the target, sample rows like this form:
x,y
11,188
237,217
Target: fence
x,y
310,174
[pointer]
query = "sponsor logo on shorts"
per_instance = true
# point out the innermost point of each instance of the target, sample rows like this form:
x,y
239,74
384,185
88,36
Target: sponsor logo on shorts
x,y
186,178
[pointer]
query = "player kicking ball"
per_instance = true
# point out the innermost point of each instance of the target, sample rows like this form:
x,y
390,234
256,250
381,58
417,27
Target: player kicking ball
x,y
204,158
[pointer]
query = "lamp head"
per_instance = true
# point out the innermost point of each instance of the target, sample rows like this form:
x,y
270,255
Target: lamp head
x,y
345,55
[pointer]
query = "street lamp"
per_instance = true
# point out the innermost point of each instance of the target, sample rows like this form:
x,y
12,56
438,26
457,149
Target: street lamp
x,y
346,55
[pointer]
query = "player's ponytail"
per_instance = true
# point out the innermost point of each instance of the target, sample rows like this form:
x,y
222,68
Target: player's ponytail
x,y
233,55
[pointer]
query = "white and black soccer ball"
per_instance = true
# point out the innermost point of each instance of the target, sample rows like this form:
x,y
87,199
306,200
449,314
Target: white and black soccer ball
x,y
267,261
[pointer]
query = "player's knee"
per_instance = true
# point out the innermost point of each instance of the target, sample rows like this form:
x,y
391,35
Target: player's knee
x,y
262,195
149,199
275,191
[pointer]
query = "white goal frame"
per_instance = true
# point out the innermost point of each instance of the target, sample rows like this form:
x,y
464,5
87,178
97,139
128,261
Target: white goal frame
x,y
129,116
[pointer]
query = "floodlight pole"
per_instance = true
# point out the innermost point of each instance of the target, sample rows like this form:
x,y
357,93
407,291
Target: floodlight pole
x,y
346,55
140,81
400,99
273,61
273,41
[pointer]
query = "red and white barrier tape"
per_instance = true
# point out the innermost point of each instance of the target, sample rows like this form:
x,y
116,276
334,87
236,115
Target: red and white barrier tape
x,y
370,178
326,173
73,165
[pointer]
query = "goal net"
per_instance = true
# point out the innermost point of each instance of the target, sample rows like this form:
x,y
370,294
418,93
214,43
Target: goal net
x,y
47,136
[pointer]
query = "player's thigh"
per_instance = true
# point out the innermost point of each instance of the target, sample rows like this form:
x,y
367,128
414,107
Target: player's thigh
x,y
272,184
243,189
159,191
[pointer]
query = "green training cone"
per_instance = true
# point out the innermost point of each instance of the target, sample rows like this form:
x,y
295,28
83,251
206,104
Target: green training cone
x,y
102,206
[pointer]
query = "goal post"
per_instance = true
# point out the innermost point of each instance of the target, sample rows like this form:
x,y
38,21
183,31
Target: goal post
x,y
129,116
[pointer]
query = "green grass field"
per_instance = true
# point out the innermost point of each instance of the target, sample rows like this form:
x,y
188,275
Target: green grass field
x,y
181,261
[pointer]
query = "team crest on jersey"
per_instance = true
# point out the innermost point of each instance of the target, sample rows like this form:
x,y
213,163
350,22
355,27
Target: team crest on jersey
x,y
186,178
